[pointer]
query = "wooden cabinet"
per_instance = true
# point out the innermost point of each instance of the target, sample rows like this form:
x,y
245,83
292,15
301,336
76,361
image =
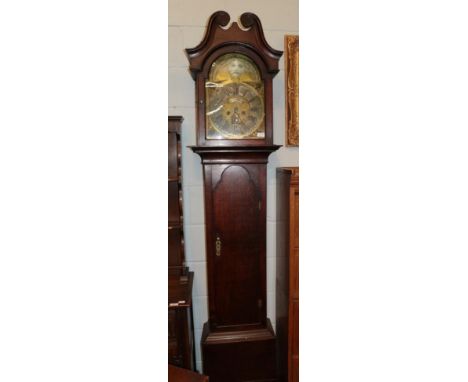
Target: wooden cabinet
x,y
287,273
176,374
175,215
180,317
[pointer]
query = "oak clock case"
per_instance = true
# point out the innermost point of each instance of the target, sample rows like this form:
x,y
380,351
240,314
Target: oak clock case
x,y
233,69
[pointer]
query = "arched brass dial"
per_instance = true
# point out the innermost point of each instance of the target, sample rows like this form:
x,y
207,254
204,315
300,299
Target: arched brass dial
x,y
235,99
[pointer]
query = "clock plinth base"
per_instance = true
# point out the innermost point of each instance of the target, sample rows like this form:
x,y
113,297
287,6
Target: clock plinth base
x,y
238,356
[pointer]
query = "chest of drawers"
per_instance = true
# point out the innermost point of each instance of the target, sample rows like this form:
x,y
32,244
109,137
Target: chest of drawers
x,y
287,273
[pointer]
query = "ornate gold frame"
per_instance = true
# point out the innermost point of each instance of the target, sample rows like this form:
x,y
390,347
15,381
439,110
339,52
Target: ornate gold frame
x,y
291,59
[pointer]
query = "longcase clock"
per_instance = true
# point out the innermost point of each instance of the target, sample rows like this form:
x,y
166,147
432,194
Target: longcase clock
x,y
233,69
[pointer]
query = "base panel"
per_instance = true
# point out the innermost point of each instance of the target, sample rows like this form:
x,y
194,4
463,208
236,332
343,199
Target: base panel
x,y
239,356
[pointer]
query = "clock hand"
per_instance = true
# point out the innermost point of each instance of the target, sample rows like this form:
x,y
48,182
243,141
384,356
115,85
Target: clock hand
x,y
215,110
213,85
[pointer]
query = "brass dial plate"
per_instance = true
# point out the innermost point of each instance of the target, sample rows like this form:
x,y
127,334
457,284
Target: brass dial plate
x,y
235,99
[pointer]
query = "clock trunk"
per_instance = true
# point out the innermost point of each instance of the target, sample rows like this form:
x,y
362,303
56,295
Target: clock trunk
x,y
235,221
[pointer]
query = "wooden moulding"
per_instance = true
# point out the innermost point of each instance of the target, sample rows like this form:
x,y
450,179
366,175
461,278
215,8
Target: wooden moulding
x,y
291,43
234,155
258,334
218,36
174,123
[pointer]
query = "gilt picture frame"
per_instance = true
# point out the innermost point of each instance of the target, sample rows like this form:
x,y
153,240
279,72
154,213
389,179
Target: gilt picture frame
x,y
291,59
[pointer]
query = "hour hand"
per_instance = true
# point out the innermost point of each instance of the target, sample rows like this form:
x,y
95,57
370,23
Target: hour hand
x,y
215,110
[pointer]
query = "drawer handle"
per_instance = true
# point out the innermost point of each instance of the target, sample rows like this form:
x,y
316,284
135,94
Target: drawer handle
x,y
218,246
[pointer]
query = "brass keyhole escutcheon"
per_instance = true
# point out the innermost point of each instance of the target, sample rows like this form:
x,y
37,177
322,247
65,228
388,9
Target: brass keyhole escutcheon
x,y
218,246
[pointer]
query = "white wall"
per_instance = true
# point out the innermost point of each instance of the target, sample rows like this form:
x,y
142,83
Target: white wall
x,y
187,21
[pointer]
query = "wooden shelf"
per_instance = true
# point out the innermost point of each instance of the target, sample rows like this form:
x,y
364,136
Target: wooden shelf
x,y
181,351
